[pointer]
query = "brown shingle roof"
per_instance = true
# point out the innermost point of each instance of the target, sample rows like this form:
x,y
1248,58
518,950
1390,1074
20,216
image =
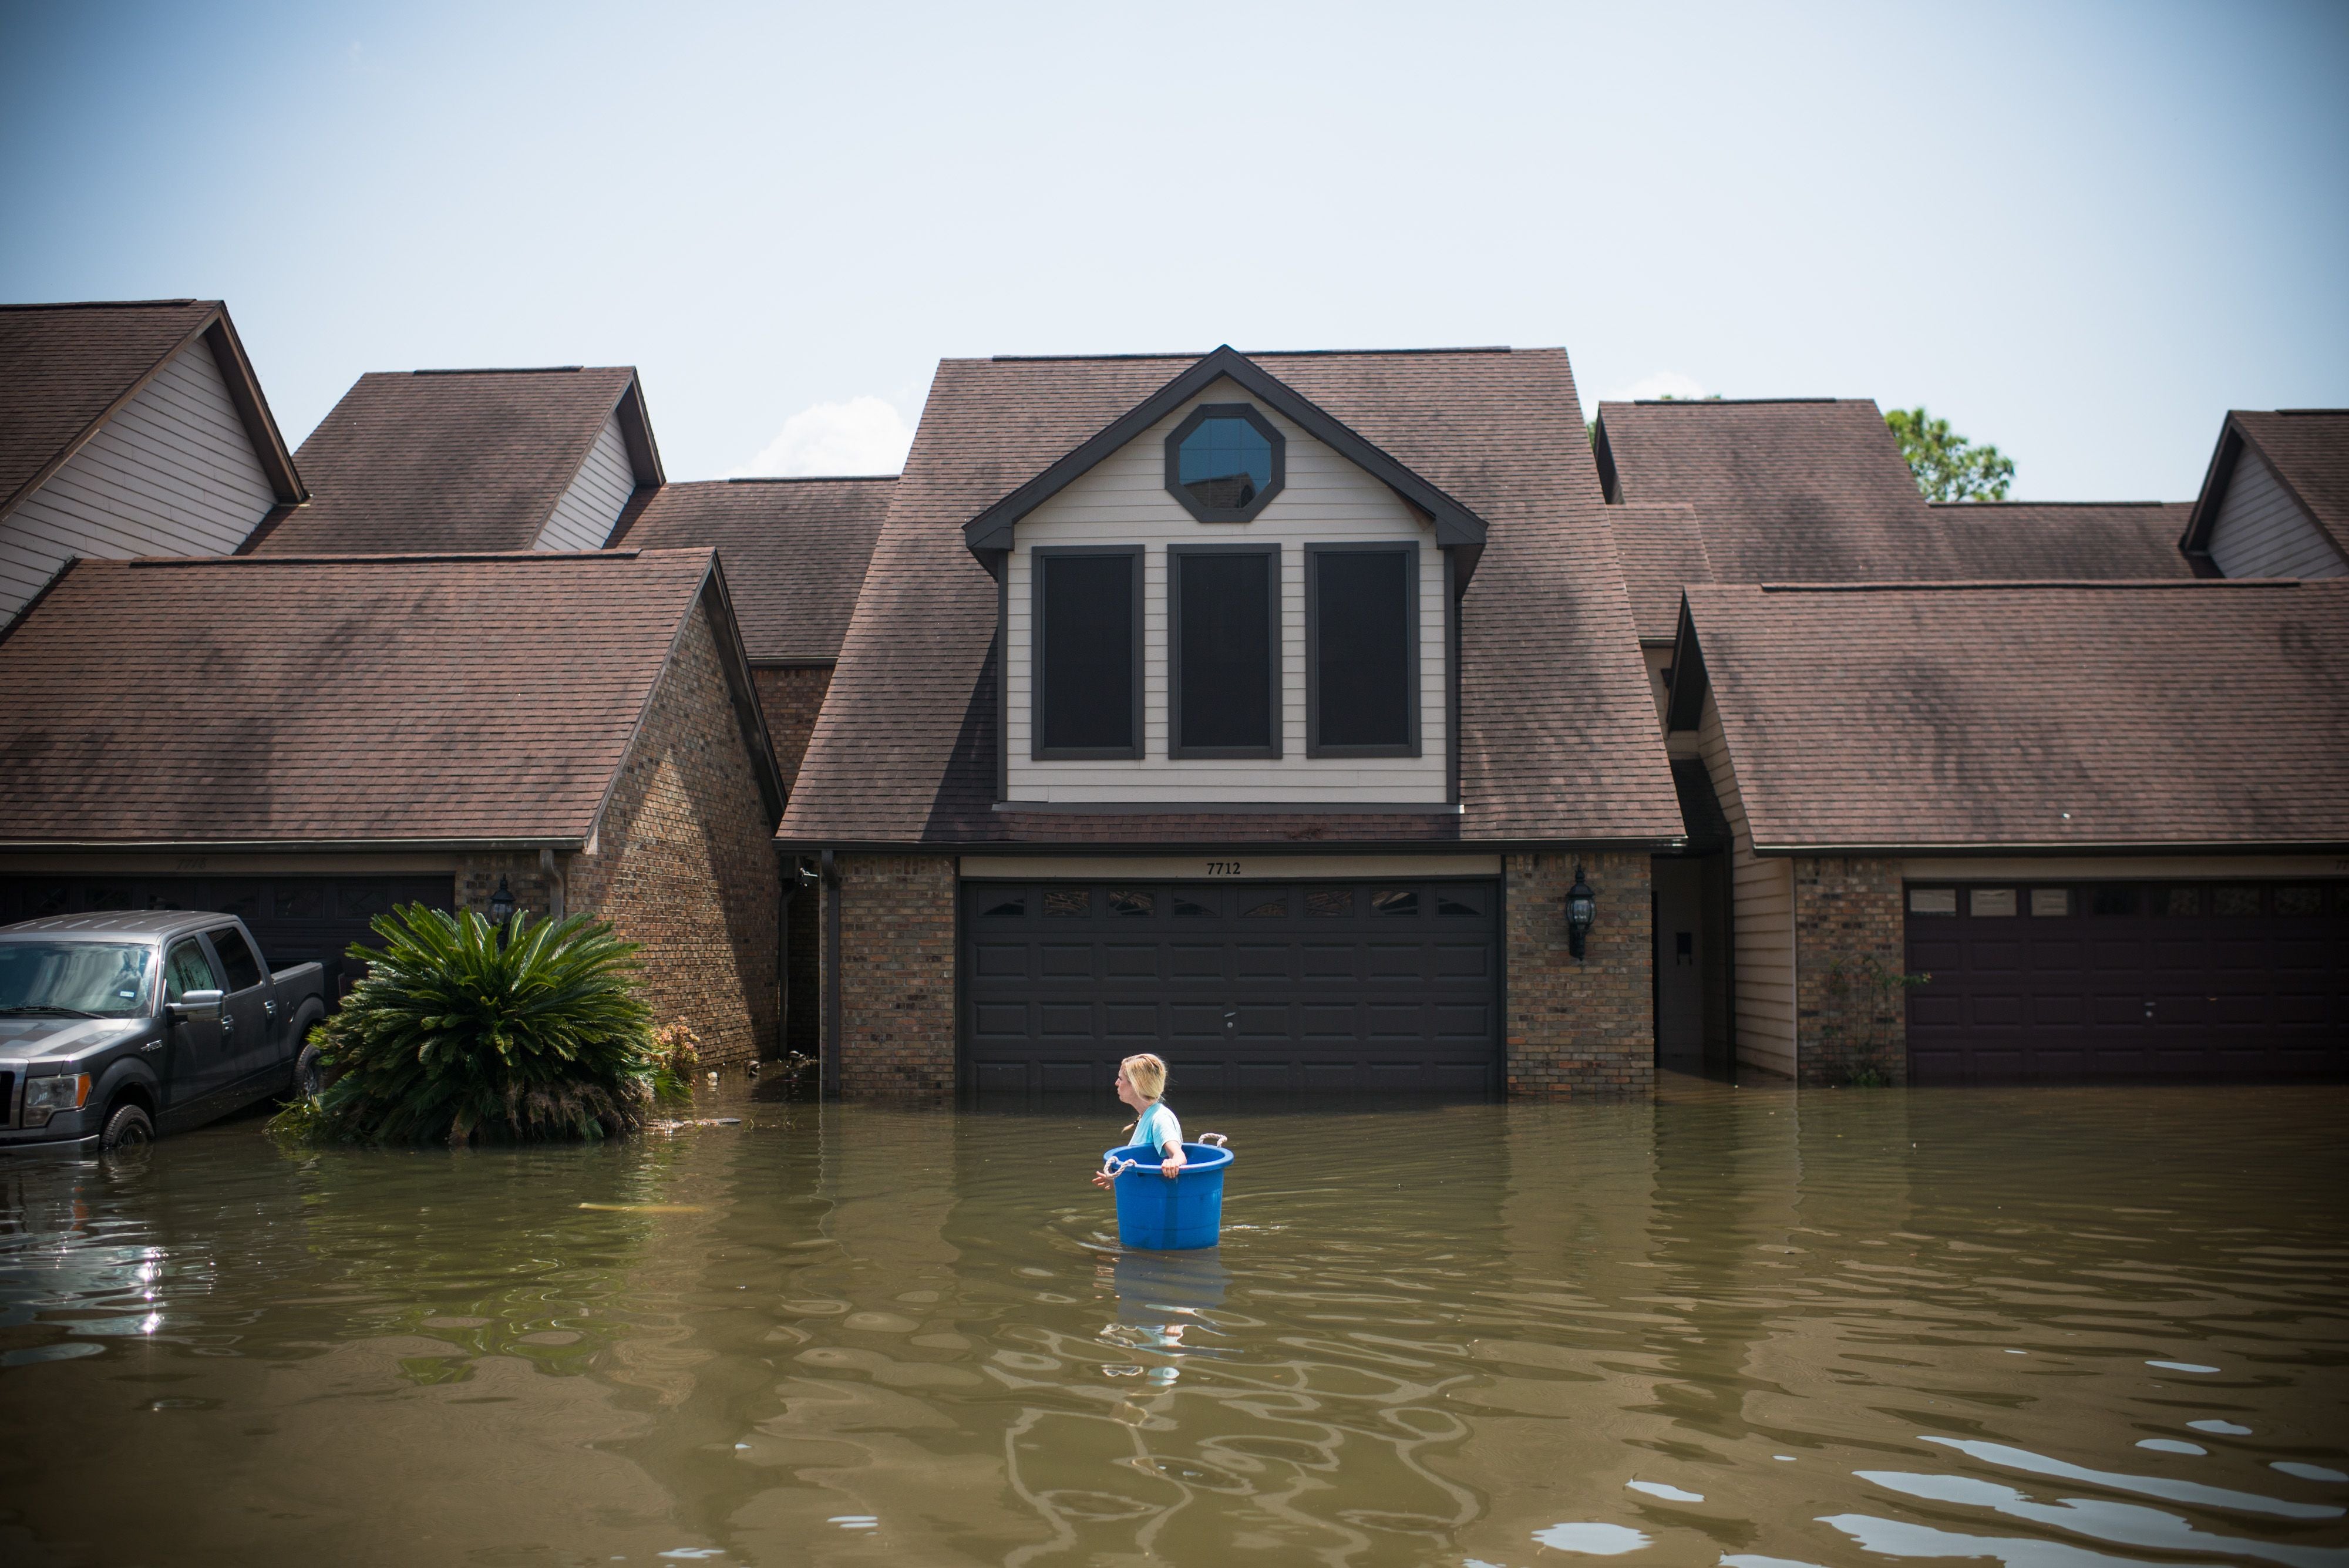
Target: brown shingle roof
x,y
1661,549
1558,732
795,552
2159,714
435,461
65,369
360,699
2056,541
1796,490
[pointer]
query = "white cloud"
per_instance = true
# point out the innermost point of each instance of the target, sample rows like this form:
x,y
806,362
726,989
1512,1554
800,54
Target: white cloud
x,y
863,435
1659,384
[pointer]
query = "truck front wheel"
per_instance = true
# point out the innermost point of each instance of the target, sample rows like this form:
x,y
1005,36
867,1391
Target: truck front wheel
x,y
310,1074
130,1128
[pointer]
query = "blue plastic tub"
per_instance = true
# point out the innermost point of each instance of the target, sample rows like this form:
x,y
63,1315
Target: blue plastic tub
x,y
1156,1215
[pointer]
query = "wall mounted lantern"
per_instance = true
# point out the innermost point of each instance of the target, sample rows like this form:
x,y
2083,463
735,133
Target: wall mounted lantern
x,y
1581,904
501,904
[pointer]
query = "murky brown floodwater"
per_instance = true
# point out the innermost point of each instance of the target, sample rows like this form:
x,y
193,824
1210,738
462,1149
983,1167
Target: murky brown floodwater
x,y
2048,1328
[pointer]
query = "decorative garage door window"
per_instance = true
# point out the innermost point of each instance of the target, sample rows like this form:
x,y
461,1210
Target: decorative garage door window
x,y
1293,987
2143,979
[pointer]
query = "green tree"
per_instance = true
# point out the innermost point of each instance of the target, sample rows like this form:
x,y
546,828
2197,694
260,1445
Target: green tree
x,y
1948,466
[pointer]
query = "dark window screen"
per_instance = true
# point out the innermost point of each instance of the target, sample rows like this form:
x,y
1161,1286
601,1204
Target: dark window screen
x,y
1226,674
237,958
1088,654
1361,647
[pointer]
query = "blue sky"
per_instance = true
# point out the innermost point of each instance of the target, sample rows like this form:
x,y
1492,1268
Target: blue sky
x,y
2081,231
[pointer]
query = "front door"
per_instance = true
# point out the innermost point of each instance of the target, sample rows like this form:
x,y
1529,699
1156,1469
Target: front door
x,y
199,1062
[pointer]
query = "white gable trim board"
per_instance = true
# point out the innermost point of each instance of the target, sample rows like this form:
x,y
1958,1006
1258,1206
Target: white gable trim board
x,y
2261,532
1325,500
173,472
583,518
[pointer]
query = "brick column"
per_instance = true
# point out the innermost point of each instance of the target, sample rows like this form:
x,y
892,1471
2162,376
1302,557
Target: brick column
x,y
1580,1026
1851,1014
897,973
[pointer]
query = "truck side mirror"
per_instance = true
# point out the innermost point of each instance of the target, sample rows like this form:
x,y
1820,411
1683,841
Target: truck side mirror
x,y
197,1007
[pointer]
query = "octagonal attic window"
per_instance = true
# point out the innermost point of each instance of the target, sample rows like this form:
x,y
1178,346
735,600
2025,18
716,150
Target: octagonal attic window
x,y
1224,462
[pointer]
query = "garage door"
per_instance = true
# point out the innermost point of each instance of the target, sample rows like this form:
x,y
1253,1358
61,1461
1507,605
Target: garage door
x,y
296,920
2111,980
1275,987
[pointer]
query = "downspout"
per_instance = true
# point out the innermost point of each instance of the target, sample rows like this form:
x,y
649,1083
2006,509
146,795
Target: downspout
x,y
830,1070
548,868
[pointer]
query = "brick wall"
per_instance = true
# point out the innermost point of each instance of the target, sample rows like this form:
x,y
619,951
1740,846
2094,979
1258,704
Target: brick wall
x,y
684,865
791,698
1850,1012
1580,1026
897,973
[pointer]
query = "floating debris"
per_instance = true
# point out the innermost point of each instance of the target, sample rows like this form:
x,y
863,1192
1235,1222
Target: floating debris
x,y
646,1208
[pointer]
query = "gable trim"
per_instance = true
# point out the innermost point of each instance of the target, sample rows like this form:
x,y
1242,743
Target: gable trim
x,y
1455,525
219,336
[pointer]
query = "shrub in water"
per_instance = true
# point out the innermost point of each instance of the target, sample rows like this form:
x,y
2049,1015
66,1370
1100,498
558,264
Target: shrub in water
x,y
464,1031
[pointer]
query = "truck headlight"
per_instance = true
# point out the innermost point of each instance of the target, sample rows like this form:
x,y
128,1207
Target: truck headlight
x,y
44,1097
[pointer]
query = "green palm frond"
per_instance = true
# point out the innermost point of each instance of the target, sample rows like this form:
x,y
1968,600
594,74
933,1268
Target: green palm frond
x,y
464,1031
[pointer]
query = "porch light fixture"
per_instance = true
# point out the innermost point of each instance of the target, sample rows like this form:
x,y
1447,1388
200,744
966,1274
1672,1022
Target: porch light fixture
x,y
502,905
1581,905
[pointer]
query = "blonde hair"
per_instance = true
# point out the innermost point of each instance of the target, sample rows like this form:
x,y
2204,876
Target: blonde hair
x,y
1147,1073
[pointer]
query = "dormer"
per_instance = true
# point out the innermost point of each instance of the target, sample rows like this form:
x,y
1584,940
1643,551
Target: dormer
x,y
2275,501
134,428
447,461
1227,597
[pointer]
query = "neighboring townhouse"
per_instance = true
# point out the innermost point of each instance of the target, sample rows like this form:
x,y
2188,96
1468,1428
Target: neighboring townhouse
x,y
434,461
795,552
2275,502
2108,821
1261,710
308,742
130,429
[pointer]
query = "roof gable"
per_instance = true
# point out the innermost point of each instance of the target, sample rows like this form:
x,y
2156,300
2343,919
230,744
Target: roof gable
x,y
1454,524
1556,731
2308,452
457,460
65,369
380,701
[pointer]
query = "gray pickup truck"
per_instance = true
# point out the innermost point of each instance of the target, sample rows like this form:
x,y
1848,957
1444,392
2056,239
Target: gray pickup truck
x,y
116,1027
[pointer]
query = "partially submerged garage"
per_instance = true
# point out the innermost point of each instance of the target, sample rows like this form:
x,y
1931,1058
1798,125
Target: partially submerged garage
x,y
308,742
2031,831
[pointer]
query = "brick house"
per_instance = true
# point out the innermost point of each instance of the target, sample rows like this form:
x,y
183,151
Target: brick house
x,y
308,741
1261,710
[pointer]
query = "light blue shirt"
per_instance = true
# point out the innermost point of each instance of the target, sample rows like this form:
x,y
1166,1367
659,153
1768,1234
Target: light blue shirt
x,y
1157,1128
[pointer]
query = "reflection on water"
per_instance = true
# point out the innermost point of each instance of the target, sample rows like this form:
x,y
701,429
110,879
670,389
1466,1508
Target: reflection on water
x,y
1737,1326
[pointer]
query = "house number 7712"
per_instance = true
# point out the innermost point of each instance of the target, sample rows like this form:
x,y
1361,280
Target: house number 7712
x,y
1223,867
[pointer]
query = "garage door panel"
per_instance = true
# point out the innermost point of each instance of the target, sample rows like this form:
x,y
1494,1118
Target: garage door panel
x,y
2162,984
1256,988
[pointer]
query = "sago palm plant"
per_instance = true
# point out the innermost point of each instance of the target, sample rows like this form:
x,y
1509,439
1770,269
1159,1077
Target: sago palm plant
x,y
464,1031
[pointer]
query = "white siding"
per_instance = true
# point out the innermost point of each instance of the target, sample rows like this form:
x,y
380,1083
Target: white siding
x,y
1325,500
1761,908
173,473
583,519
2261,530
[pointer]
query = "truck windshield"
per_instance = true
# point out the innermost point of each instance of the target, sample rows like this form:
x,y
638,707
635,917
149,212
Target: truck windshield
x,y
102,980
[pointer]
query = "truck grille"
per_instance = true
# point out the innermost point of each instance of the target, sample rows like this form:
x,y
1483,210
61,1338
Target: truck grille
x,y
7,1099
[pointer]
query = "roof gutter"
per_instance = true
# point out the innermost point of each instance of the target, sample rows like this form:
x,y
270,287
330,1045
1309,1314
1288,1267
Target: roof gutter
x,y
281,845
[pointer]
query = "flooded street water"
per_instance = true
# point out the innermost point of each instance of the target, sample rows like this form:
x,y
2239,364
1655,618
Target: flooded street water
x,y
2052,1328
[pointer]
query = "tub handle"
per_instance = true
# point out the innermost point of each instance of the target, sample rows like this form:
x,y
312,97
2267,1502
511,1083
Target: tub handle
x,y
1218,1139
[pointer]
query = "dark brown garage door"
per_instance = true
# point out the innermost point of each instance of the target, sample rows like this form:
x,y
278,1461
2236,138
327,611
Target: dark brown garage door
x,y
1241,987
296,920
2114,980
